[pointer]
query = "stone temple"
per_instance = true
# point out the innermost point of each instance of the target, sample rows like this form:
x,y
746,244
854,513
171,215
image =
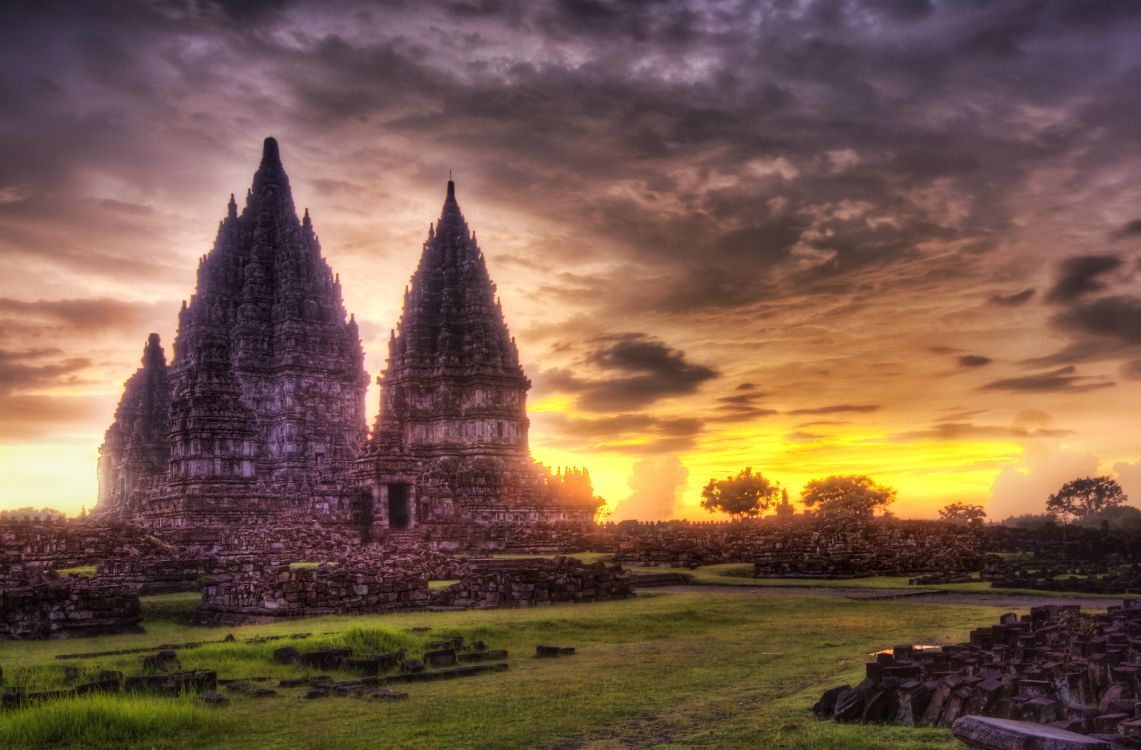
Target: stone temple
x,y
259,416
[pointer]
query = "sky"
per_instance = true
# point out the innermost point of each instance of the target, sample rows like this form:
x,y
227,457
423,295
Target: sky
x,y
899,238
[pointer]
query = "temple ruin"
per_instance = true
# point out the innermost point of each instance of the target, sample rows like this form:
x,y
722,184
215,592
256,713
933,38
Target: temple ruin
x,y
259,416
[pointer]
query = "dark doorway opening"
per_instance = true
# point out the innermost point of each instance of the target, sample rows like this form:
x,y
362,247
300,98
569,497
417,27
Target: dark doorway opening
x,y
363,513
399,510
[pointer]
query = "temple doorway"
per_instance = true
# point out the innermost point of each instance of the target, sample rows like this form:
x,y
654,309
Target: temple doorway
x,y
399,508
362,511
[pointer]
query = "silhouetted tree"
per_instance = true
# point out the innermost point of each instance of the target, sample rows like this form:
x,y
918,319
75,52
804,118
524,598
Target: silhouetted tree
x,y
1082,497
852,496
746,494
962,513
784,509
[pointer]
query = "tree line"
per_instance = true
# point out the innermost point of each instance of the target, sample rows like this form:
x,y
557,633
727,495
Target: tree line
x,y
750,494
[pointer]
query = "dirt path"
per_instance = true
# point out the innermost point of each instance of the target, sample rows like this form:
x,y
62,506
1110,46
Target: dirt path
x,y
918,597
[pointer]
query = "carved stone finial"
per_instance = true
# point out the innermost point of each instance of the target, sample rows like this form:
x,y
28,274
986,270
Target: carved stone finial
x,y
269,152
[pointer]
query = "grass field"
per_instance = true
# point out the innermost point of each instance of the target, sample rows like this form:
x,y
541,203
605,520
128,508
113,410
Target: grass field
x,y
671,670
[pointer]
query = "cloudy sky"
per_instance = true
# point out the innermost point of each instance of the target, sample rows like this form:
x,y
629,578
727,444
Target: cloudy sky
x,y
893,237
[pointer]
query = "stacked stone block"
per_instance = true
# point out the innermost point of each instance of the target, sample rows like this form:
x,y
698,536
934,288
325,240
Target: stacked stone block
x,y
494,584
1055,666
37,606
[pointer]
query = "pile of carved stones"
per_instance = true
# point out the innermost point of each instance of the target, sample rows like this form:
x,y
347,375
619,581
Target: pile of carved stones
x,y
1055,666
38,605
364,675
491,584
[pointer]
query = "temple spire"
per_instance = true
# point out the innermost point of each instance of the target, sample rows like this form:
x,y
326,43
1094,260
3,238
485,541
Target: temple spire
x,y
451,189
152,353
269,152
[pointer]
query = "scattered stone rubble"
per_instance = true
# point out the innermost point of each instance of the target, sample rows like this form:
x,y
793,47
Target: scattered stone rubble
x,y
163,674
1055,666
491,584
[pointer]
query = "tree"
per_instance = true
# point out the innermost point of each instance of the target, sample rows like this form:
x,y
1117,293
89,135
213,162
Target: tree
x,y
1083,497
746,494
784,509
962,513
851,496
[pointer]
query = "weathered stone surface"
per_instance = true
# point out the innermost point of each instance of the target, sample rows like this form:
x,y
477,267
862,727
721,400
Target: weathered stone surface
x,y
450,443
987,733
1042,668
493,584
36,605
261,409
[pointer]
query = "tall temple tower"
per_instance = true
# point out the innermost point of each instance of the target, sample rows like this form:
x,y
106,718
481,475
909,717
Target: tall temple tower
x,y
259,417
267,382
449,445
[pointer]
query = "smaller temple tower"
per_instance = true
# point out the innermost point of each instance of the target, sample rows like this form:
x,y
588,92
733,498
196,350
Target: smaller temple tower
x,y
450,443
135,451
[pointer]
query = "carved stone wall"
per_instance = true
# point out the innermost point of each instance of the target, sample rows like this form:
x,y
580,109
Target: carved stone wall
x,y
450,442
266,386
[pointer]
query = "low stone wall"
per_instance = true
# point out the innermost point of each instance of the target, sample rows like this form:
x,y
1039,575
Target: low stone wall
x,y
37,606
492,584
343,588
807,547
1057,666
63,544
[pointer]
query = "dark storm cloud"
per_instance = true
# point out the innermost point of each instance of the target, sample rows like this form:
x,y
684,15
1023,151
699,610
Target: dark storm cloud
x,y
81,314
1062,380
820,142
1130,229
951,431
1013,300
742,406
1081,275
644,370
38,368
1116,319
624,433
974,360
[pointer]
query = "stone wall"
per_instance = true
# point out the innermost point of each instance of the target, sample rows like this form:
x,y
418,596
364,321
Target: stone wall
x,y
63,545
492,584
247,595
806,547
36,606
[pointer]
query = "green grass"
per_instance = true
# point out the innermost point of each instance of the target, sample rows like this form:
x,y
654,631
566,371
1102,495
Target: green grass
x,y
740,574
442,583
694,669
112,722
86,571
